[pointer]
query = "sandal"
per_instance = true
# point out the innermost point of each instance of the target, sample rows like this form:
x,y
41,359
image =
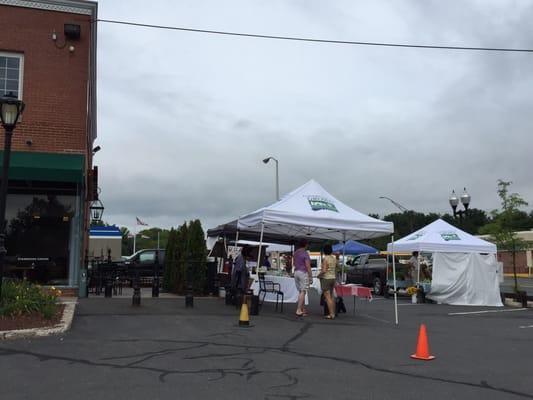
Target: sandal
x,y
302,314
329,317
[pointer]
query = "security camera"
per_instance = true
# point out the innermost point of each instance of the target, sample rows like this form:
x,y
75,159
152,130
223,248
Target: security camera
x,y
29,142
96,149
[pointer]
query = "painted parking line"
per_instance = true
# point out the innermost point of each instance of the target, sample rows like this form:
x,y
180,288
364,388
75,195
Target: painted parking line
x,y
486,311
526,326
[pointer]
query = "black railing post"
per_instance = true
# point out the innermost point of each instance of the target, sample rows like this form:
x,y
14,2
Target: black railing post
x,y
155,281
136,299
189,297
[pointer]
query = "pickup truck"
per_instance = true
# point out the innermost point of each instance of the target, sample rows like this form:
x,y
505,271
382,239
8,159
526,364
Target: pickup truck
x,y
368,270
144,262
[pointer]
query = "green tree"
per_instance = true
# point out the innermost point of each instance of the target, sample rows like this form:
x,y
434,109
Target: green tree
x,y
171,263
147,238
127,241
181,240
503,223
197,250
471,223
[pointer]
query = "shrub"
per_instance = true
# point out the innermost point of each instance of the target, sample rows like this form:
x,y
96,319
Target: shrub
x,y
22,298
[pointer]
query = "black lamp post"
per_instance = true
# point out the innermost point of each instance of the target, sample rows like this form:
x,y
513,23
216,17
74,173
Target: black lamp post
x,y
11,109
454,202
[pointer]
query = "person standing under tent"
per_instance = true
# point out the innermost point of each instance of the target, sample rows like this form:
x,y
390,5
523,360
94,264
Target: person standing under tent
x,y
302,275
240,275
327,279
413,267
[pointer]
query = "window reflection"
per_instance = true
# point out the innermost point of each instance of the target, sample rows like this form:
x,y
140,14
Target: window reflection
x,y
37,241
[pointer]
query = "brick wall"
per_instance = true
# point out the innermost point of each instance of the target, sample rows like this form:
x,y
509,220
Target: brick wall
x,y
507,258
54,80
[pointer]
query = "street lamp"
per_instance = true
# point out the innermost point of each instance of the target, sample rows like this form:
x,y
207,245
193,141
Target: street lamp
x,y
402,209
11,108
454,202
266,160
97,209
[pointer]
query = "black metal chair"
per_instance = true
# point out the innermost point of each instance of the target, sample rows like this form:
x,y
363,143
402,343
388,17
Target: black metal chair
x,y
269,287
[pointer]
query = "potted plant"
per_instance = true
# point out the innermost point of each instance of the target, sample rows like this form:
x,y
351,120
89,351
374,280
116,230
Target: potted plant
x,y
413,292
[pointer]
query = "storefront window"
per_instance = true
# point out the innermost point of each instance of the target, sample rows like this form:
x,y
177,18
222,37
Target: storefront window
x,y
38,234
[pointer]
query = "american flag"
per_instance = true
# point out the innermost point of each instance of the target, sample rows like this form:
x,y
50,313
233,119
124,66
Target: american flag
x,y
139,222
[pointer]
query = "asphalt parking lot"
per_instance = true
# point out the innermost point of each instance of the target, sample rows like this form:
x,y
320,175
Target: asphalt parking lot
x,y
164,351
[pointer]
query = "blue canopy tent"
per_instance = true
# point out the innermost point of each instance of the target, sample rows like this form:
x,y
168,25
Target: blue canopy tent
x,y
352,248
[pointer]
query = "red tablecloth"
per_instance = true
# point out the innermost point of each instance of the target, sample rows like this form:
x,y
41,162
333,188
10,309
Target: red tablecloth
x,y
351,289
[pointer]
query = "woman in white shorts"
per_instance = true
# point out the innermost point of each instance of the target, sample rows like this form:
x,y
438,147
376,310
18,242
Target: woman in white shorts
x,y
302,275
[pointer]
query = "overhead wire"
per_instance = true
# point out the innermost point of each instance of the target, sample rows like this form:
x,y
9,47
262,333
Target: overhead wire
x,y
317,40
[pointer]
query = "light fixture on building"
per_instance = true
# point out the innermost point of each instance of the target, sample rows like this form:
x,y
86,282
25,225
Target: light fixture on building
x,y
97,209
11,110
71,32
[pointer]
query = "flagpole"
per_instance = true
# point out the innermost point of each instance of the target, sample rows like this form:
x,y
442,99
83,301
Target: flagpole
x,y
134,239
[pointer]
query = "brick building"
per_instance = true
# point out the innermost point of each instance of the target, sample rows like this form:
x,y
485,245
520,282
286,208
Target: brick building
x,y
48,60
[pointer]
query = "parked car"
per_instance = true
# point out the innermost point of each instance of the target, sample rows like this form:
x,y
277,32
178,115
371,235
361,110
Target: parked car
x,y
369,270
144,262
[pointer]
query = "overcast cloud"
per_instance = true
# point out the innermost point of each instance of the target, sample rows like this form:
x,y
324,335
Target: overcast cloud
x,y
185,119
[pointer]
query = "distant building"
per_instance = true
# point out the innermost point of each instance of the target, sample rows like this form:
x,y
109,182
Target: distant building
x,y
523,258
48,60
104,242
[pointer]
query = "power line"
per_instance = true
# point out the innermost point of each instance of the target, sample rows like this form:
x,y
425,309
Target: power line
x,y
314,40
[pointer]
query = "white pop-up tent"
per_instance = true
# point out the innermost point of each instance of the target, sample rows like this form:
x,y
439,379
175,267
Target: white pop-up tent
x,y
465,271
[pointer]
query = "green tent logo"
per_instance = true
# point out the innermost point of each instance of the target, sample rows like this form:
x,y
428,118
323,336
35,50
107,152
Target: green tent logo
x,y
320,203
416,236
449,236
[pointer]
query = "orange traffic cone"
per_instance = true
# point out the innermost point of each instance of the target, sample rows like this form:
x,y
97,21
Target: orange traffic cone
x,y
422,349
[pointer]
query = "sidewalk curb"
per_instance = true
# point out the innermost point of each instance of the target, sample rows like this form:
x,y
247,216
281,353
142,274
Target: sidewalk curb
x,y
62,327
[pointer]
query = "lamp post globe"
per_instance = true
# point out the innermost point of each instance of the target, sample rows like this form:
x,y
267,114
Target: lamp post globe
x,y
454,201
11,108
465,199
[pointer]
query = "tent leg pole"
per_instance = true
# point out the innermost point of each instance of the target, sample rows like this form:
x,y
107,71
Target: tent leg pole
x,y
237,236
343,257
394,278
418,272
260,246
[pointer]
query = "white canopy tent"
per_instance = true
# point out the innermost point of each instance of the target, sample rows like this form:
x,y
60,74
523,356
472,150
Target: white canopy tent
x,y
465,271
440,236
310,211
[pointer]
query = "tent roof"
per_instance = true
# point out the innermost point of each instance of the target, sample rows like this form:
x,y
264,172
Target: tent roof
x,y
311,212
229,231
440,236
352,247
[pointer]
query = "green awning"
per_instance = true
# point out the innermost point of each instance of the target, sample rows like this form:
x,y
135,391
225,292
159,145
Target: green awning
x,y
45,166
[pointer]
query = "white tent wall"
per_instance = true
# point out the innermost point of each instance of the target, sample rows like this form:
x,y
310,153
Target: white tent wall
x,y
465,279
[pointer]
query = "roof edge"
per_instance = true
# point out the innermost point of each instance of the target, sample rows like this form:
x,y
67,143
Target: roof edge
x,y
68,6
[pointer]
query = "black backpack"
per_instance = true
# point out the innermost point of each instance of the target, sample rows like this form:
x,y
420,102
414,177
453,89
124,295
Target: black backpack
x,y
339,306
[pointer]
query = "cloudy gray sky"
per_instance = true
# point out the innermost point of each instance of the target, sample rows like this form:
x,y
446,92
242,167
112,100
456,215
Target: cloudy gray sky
x,y
184,119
